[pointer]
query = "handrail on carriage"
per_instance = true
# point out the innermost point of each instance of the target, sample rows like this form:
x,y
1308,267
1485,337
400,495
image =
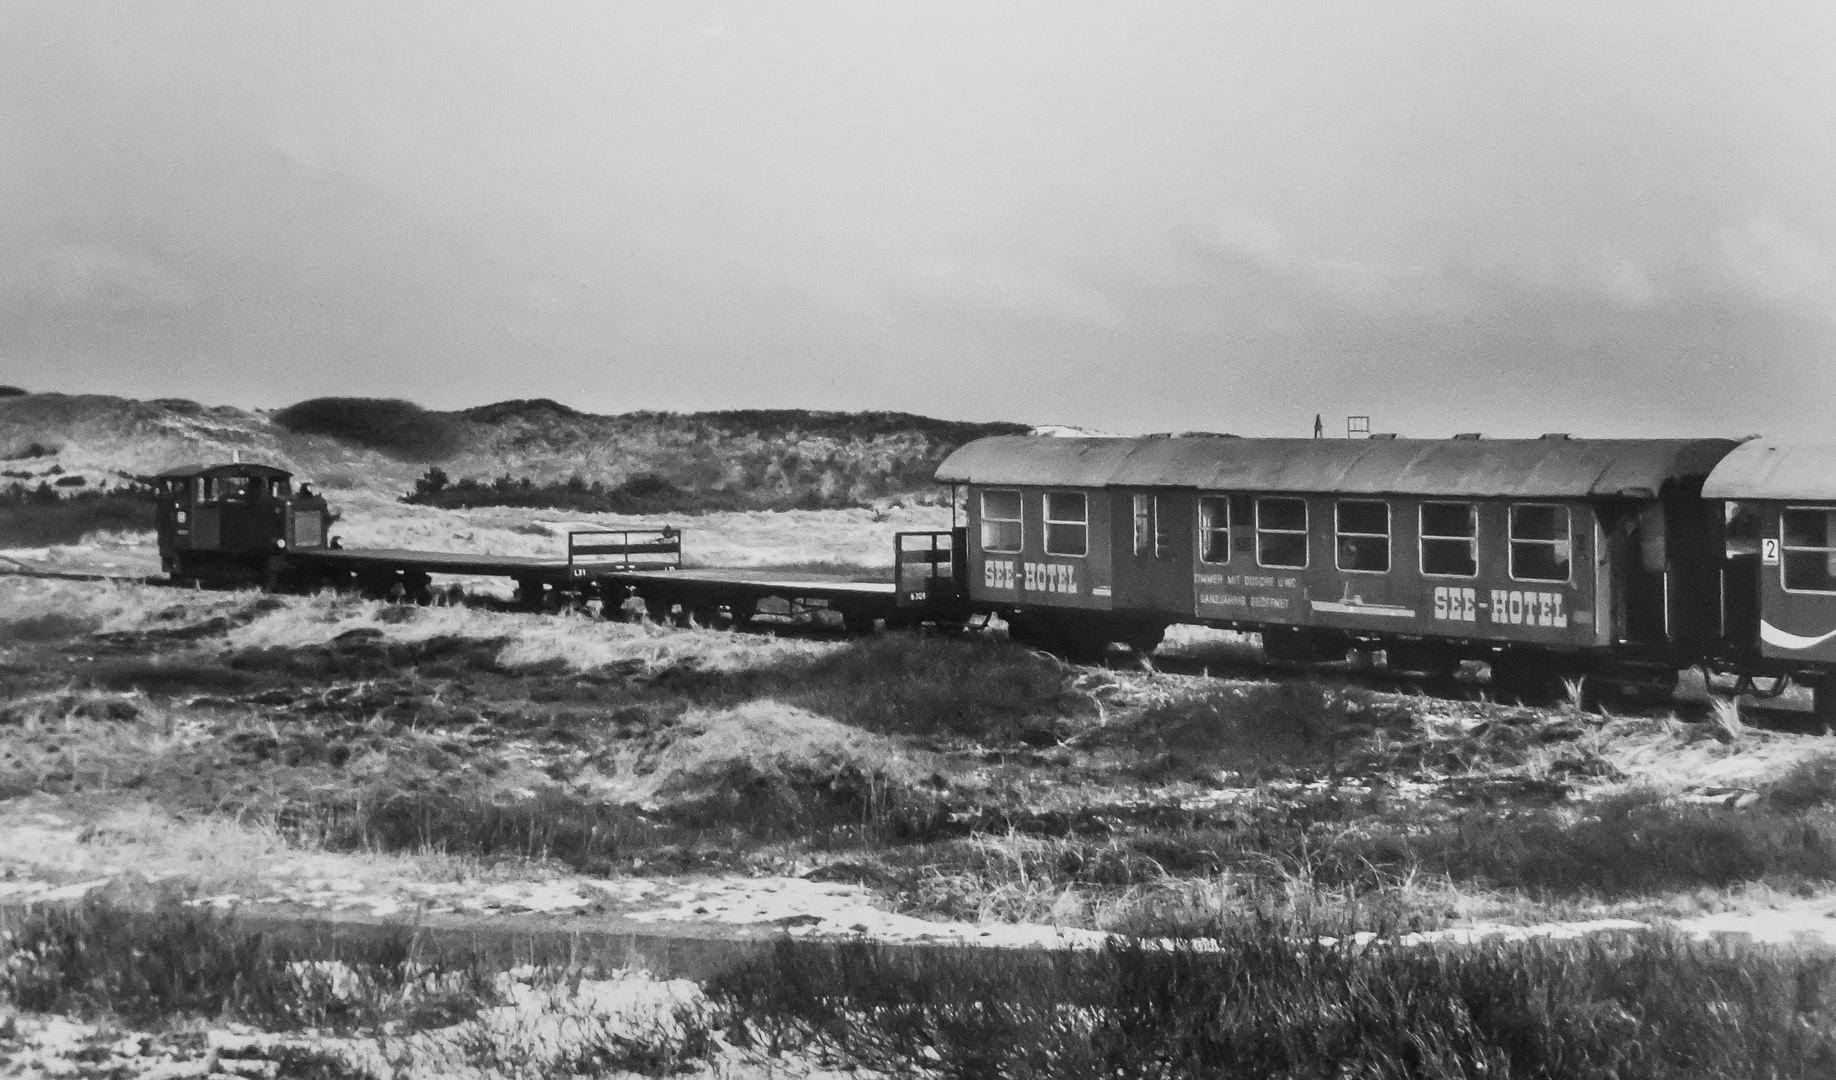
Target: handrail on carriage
x,y
661,549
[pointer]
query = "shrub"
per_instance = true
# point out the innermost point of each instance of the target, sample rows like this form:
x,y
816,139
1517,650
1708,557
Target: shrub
x,y
167,676
13,391
1265,728
1262,1002
935,686
171,961
1635,846
1808,783
51,626
37,517
399,428
586,834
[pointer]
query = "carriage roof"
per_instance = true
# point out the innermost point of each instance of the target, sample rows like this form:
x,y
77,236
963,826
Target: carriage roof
x,y
1763,469
1515,468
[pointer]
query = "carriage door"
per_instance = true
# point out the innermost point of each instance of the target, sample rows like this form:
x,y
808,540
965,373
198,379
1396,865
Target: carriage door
x,y
1639,559
1153,546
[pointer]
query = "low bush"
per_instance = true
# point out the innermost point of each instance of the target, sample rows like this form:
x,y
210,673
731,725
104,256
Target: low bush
x,y
50,626
646,493
170,961
1268,729
1809,783
41,516
1262,1002
935,686
175,676
401,429
1626,848
587,834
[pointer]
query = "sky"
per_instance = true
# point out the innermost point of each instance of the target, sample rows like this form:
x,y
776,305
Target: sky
x,y
1601,217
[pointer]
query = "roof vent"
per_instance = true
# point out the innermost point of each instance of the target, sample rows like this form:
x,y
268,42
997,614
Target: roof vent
x,y
1563,435
1383,434
1469,435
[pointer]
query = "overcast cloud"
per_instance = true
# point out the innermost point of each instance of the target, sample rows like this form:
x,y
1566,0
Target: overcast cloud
x,y
1600,218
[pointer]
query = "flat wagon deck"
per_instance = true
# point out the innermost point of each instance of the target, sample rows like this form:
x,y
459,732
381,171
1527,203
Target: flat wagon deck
x,y
615,566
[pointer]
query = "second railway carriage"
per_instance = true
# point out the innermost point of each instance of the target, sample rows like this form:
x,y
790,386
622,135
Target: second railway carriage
x,y
1779,506
1548,558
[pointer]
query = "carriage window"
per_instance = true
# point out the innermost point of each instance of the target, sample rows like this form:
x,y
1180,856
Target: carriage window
x,y
1214,529
1144,523
1163,533
1808,551
1540,544
1066,523
1001,527
1281,532
1364,536
1450,539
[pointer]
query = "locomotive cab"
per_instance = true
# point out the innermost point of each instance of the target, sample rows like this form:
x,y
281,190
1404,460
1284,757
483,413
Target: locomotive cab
x,y
232,523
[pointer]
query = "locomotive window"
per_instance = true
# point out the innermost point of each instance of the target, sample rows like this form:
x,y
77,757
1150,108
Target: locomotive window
x,y
1144,523
1281,532
1067,518
1214,529
1540,545
227,489
1001,526
1450,540
1364,536
1807,554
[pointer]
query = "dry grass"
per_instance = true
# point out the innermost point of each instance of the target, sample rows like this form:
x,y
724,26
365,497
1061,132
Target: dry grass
x,y
1277,1000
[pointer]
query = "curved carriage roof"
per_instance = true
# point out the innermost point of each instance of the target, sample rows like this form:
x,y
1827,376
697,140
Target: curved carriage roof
x,y
223,469
1512,468
1762,469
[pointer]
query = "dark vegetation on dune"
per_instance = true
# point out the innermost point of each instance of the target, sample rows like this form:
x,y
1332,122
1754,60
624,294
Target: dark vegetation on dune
x,y
395,427
646,493
41,515
13,391
1271,1000
166,961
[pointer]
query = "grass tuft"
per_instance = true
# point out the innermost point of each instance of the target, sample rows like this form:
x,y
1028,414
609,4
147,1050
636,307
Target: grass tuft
x,y
154,965
903,683
1259,1002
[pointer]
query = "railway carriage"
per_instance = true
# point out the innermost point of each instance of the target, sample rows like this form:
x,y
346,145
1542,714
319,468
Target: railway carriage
x,y
1548,558
1778,502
